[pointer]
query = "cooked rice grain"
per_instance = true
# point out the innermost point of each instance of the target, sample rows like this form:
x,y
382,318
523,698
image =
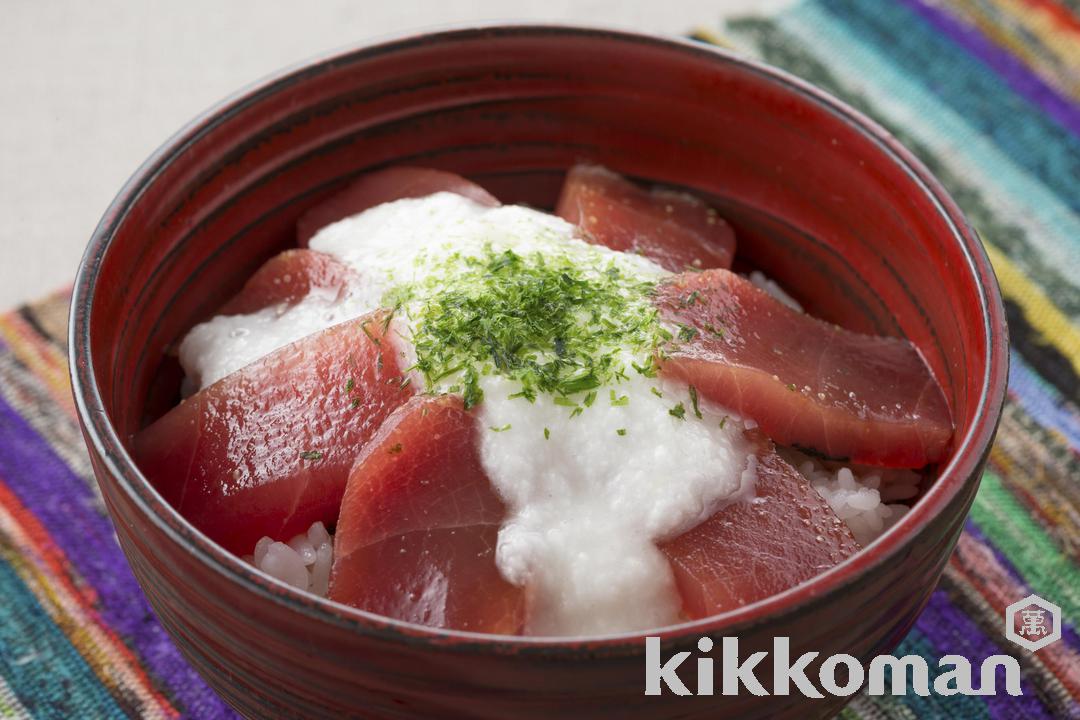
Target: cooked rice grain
x,y
304,562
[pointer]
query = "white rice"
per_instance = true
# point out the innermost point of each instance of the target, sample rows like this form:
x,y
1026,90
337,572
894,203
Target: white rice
x,y
304,562
865,501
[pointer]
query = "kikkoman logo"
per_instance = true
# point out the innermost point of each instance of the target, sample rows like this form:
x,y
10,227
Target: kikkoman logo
x,y
840,675
1032,623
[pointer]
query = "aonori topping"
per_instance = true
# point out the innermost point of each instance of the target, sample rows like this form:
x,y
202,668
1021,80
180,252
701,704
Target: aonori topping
x,y
807,383
555,323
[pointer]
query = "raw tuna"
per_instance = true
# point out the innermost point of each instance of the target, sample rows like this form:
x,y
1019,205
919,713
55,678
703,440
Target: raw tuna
x,y
288,278
418,527
758,547
267,450
384,186
807,383
675,230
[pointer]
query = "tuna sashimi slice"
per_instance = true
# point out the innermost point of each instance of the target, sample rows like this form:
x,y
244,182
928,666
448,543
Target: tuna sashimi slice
x,y
288,278
385,186
675,230
807,383
757,547
267,450
418,526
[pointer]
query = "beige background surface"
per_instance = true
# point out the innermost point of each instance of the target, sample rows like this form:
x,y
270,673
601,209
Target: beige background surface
x,y
89,89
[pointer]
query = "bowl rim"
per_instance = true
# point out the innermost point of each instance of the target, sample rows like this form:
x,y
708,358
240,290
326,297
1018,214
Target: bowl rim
x,y
106,443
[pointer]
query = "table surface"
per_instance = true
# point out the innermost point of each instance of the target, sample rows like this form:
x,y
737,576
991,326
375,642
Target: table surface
x,y
91,89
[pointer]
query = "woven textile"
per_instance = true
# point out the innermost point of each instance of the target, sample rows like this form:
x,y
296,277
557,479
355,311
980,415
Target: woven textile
x,y
985,92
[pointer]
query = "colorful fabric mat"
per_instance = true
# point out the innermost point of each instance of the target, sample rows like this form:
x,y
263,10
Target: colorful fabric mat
x,y
986,92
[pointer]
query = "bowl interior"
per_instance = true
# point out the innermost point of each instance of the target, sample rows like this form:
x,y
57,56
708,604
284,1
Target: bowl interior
x,y
821,200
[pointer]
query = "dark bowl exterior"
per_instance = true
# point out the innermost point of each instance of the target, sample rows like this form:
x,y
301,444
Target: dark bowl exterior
x,y
821,197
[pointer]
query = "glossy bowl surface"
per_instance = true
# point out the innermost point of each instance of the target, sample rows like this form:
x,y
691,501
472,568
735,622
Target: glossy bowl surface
x,y
822,199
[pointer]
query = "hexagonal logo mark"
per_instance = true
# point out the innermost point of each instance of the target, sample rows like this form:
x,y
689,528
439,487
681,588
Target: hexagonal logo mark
x,y
1033,623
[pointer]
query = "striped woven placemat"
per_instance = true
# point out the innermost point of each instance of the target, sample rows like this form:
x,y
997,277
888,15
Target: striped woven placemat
x,y
986,92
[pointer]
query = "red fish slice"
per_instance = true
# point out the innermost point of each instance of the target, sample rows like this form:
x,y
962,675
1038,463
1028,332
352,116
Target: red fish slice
x,y
675,230
755,548
267,449
288,278
418,526
385,186
807,383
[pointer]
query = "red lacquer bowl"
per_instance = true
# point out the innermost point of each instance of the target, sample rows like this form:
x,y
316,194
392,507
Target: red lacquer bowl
x,y
822,198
